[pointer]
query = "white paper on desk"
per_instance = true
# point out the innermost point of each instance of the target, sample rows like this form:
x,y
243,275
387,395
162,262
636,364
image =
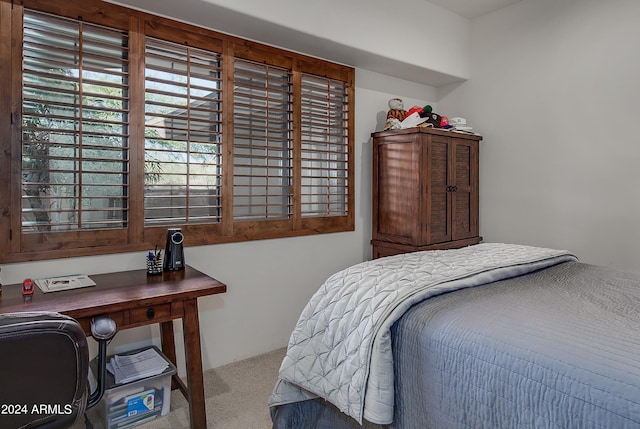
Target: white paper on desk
x,y
128,368
55,284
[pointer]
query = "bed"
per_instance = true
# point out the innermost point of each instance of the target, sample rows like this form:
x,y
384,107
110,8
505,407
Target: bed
x,y
488,336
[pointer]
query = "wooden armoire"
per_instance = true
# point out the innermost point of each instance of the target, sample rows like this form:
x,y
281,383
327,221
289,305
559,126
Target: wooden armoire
x,y
425,190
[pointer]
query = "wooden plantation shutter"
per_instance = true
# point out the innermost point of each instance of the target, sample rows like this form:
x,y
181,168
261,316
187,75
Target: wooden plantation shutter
x,y
325,147
74,125
120,124
182,135
262,142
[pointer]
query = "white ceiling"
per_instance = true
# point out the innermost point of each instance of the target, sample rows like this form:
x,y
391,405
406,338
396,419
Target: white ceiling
x,y
472,8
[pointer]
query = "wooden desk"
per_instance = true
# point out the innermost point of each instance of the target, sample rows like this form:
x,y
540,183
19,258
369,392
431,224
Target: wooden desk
x,y
131,299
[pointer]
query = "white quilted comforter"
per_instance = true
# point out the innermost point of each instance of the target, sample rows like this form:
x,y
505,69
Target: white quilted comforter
x,y
340,349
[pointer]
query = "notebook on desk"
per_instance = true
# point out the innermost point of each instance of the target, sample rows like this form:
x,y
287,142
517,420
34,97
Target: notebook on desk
x,y
55,284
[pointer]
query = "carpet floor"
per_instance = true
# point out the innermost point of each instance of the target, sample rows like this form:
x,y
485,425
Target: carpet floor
x,y
236,397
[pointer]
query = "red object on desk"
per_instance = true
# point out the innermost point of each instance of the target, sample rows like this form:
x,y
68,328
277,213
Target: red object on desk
x,y
27,287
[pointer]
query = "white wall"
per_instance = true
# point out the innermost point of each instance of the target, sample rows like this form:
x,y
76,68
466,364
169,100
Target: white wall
x,y
397,31
413,40
269,281
554,90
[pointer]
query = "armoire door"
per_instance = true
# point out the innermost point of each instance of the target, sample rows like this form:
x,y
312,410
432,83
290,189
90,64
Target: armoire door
x,y
437,201
396,192
464,186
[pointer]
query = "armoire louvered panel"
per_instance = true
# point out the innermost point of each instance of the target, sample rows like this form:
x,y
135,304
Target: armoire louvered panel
x,y
437,227
465,201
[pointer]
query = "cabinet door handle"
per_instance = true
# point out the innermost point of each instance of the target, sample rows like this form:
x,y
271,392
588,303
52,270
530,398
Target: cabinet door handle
x,y
151,313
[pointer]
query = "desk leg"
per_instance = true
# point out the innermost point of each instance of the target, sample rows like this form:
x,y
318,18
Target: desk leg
x,y
193,358
169,349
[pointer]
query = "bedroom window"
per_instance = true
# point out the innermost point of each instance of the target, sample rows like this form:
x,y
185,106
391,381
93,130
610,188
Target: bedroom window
x,y
74,126
262,155
122,124
183,135
325,147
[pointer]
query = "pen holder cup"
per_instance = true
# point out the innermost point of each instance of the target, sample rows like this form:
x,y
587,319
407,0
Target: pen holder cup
x,y
154,265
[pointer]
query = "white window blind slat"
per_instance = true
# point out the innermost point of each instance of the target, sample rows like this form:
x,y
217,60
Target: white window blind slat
x,y
183,134
325,147
75,125
262,159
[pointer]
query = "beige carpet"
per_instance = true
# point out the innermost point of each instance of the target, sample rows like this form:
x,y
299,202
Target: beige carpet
x,y
236,397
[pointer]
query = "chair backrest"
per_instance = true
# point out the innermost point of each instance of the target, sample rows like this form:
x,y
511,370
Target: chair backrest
x,y
44,362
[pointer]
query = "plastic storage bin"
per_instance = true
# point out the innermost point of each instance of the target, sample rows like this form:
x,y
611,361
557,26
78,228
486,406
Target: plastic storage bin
x,y
130,404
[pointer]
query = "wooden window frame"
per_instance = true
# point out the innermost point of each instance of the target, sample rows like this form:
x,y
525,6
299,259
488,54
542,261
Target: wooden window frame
x,y
17,246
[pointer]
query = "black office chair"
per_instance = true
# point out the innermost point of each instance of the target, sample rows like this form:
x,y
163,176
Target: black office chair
x,y
44,366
